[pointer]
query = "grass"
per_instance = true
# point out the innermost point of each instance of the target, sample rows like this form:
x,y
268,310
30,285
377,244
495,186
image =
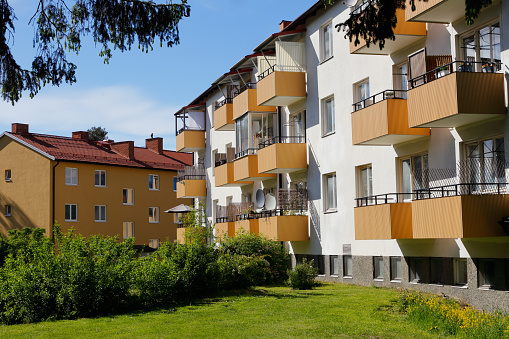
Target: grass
x,y
331,310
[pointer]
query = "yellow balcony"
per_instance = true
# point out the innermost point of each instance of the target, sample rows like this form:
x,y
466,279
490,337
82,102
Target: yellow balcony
x,y
224,229
191,233
246,169
440,11
387,221
283,158
191,189
247,102
406,33
181,235
285,228
190,141
464,216
224,176
281,88
384,123
223,118
457,99
247,226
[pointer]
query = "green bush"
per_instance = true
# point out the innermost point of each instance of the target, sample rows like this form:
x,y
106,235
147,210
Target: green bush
x,y
240,271
303,276
257,245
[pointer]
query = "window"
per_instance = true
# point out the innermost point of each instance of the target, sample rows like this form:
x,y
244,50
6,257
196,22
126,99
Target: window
x,y
154,243
177,218
7,210
347,266
416,270
330,192
365,183
414,174
128,196
460,271
100,178
401,80
395,268
436,271
485,162
71,176
328,123
483,45
8,175
361,95
320,261
334,265
326,41
298,127
486,273
153,182
128,230
378,268
71,212
153,214
174,184
100,213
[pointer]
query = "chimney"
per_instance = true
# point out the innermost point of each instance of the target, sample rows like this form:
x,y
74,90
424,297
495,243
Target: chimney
x,y
80,135
155,145
19,128
124,148
283,25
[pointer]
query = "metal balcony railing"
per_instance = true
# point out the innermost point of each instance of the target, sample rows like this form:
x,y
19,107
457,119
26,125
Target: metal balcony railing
x,y
249,85
387,94
382,199
282,140
223,102
246,152
191,173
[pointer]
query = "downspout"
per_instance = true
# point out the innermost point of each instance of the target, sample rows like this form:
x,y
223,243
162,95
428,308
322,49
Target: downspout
x,y
53,201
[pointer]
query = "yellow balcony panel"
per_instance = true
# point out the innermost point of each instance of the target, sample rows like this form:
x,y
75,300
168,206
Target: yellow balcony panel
x,y
247,226
281,88
224,176
406,33
457,99
191,189
224,229
196,232
190,141
285,228
384,123
283,158
247,102
246,169
466,216
439,11
387,221
223,118
181,235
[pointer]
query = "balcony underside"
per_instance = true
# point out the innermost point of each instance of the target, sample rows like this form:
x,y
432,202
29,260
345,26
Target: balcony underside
x,y
191,189
190,141
465,216
247,226
285,228
457,99
283,158
281,88
379,222
223,118
247,102
224,176
246,169
224,229
439,11
384,123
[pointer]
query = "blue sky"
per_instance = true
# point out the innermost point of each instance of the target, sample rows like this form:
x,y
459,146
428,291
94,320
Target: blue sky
x,y
138,93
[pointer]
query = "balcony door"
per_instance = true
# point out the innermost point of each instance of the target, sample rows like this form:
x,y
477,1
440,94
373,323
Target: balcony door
x,y
484,163
414,174
401,80
483,45
298,127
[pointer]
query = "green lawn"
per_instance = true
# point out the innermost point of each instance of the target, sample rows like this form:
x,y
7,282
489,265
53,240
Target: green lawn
x,y
332,310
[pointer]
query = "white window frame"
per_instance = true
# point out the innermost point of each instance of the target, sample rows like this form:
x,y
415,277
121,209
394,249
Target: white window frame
x,y
456,267
424,179
361,184
328,26
154,211
8,175
346,272
71,173
326,129
127,190
154,243
102,213
100,172
378,268
476,33
334,266
70,219
155,182
8,210
395,265
327,207
128,228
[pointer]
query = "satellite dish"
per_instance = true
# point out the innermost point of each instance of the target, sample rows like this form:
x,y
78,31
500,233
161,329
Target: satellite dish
x,y
270,202
259,198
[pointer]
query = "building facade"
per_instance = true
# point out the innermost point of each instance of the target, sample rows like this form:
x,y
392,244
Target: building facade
x,y
108,188
386,166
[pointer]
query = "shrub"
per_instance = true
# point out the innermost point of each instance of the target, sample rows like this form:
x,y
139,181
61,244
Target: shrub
x,y
257,245
240,271
303,276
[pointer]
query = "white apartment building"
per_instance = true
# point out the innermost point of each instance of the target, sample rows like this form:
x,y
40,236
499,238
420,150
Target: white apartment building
x,y
387,167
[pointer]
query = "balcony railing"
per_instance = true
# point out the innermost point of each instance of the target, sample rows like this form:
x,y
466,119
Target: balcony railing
x,y
246,152
249,85
382,199
191,173
223,102
282,140
461,189
267,72
387,94
455,66
188,128
361,7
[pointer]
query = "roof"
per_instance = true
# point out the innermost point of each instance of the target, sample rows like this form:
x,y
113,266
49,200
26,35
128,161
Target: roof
x,y
99,152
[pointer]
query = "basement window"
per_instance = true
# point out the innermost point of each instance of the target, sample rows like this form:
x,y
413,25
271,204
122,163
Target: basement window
x,y
7,210
8,175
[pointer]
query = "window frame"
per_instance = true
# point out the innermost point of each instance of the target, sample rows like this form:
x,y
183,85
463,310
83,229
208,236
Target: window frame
x,y
334,267
323,56
326,129
378,268
155,216
475,32
360,182
70,219
346,274
128,228
152,242
395,263
327,208
8,175
8,210
127,196
483,281
153,182
102,213
100,177
72,171
456,269
174,184
357,88
424,179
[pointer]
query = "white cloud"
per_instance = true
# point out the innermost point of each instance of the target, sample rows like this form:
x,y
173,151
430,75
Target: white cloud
x,y
127,113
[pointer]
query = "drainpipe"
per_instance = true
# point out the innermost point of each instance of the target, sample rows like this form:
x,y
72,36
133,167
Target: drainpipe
x,y
53,201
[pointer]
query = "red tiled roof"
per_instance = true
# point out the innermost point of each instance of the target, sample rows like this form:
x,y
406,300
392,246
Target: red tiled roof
x,y
63,148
